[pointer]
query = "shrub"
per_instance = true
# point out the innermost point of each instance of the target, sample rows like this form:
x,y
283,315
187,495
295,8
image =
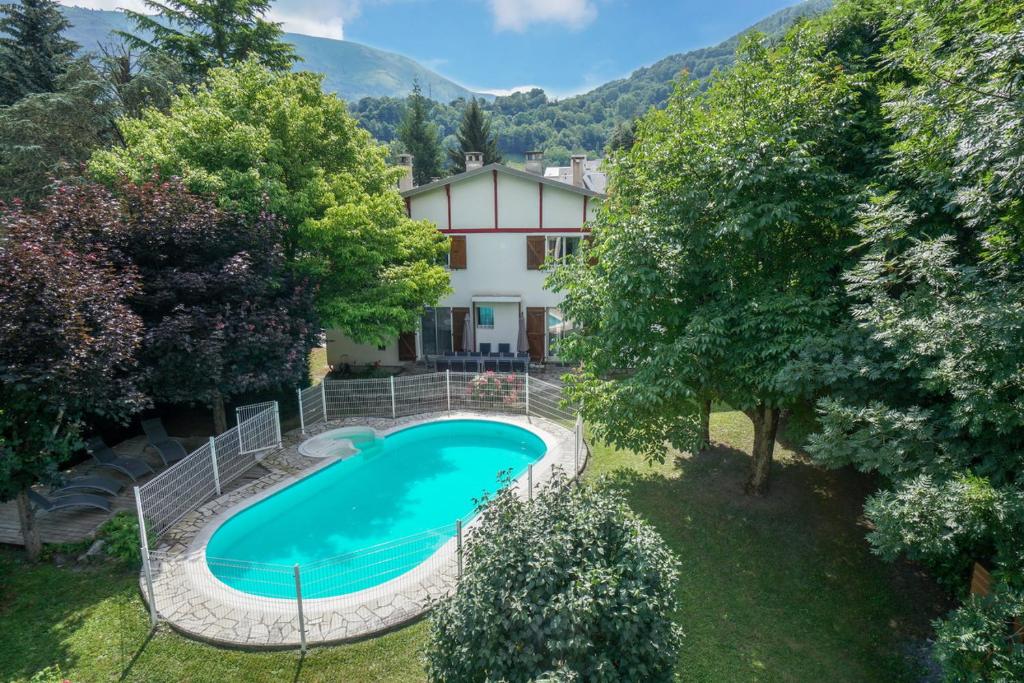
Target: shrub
x,y
570,586
121,535
981,640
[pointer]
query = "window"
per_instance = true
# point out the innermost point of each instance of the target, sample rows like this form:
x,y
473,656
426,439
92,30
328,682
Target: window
x,y
436,330
558,248
558,329
485,317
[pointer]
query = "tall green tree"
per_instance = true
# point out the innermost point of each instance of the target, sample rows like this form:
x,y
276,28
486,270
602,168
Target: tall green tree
x,y
719,252
33,53
260,140
474,135
419,136
203,34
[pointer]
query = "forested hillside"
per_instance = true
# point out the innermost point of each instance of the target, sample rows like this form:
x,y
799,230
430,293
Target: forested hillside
x,y
583,123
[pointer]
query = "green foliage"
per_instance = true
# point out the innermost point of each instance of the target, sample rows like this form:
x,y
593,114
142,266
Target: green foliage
x,y
51,674
571,584
474,135
264,141
205,34
719,250
419,137
33,53
981,640
121,536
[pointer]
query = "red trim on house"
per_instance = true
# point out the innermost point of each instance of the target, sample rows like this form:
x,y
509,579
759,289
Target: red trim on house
x,y
585,198
540,189
448,194
492,231
495,175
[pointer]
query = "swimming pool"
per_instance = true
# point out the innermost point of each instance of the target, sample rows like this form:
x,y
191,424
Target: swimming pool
x,y
369,518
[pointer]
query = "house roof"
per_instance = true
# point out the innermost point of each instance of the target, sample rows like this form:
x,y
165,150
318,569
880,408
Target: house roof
x,y
501,168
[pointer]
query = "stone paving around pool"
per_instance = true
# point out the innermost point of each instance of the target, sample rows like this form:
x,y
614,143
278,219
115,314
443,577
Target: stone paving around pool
x,y
197,604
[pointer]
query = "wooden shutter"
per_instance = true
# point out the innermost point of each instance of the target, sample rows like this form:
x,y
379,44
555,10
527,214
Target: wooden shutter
x,y
457,252
459,316
407,346
536,329
534,252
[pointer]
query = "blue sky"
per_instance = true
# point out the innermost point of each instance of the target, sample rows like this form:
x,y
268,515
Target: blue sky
x,y
563,46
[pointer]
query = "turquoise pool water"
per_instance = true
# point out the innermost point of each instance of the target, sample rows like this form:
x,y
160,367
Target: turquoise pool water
x,y
371,517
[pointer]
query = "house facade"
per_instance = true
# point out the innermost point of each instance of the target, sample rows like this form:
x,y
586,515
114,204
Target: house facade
x,y
504,224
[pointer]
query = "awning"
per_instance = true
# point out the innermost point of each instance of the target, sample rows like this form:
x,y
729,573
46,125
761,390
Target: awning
x,y
487,299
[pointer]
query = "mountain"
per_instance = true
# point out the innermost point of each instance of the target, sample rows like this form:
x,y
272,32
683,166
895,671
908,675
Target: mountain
x,y
583,123
350,69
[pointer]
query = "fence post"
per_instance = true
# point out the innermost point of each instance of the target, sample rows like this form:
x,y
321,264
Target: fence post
x,y
277,422
394,413
302,416
529,480
527,394
458,552
448,388
577,432
147,569
238,428
213,459
298,601
323,397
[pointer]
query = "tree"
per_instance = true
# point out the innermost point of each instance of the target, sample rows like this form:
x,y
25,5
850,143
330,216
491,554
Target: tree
x,y
927,393
222,314
419,136
204,34
474,135
67,339
264,141
138,79
33,55
50,135
719,253
571,585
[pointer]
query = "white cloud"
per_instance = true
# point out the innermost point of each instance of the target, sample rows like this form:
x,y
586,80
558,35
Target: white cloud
x,y
507,91
319,26
136,5
517,15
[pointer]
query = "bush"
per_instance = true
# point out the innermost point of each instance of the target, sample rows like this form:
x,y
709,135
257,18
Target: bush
x,y
121,535
978,641
570,586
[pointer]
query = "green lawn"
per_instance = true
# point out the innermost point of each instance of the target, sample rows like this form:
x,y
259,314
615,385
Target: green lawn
x,y
774,589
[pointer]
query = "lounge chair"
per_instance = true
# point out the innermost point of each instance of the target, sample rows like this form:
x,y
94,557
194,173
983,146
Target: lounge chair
x,y
75,500
170,450
133,468
93,482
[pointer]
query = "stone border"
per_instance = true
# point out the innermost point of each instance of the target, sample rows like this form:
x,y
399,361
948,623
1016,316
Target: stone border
x,y
201,606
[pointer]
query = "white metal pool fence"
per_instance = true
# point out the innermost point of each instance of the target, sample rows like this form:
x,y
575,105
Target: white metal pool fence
x,y
268,608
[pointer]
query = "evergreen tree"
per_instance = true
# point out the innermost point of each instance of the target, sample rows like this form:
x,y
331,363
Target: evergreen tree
x,y
474,135
33,54
419,136
203,34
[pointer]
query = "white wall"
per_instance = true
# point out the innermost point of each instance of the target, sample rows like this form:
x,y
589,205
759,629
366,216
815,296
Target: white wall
x,y
506,326
472,203
341,350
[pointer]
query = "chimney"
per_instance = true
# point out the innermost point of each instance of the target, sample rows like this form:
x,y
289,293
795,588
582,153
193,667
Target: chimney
x,y
474,160
577,161
405,182
535,163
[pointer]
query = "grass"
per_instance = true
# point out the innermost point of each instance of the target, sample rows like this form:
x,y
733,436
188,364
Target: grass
x,y
775,589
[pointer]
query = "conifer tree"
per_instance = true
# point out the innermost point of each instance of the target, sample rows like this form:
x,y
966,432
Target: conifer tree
x,y
419,136
33,54
474,135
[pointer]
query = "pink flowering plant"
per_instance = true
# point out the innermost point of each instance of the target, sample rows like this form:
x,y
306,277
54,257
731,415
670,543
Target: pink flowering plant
x,y
493,388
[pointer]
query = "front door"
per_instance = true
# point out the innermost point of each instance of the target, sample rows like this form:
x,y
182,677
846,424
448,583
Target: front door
x,y
407,346
536,329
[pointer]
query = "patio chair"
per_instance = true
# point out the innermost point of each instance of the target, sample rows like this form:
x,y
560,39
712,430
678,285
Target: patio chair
x,y
133,468
458,365
442,365
485,348
94,482
504,365
462,354
491,364
504,348
76,500
170,450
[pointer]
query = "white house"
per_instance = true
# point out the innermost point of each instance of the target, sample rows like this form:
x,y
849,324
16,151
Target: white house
x,y
503,224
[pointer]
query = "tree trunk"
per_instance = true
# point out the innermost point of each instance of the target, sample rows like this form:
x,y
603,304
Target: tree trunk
x,y
220,418
766,424
705,424
29,532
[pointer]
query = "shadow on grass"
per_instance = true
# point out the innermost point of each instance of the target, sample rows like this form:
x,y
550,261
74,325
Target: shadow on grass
x,y
782,586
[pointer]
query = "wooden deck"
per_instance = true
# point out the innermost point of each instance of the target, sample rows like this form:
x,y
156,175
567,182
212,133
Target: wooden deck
x,y
69,526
